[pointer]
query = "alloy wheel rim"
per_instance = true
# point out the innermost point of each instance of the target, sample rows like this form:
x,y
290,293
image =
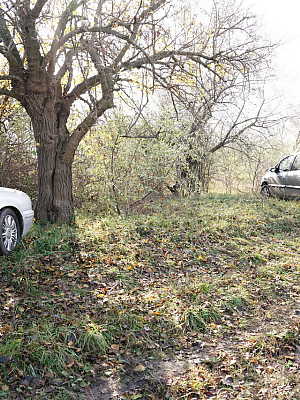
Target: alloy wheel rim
x,y
9,233
266,191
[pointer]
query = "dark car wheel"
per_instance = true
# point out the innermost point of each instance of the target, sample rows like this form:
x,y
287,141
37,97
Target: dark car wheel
x,y
265,191
10,232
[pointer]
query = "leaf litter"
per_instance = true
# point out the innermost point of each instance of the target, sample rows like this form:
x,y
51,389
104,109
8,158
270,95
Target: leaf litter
x,y
197,301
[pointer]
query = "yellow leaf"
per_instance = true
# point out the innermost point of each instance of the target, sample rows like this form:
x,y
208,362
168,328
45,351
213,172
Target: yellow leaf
x,y
70,364
115,347
139,368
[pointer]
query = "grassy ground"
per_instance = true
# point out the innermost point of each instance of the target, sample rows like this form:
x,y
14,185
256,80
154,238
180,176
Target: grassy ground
x,y
191,300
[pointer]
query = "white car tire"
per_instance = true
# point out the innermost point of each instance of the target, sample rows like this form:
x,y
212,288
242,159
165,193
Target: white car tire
x,y
10,231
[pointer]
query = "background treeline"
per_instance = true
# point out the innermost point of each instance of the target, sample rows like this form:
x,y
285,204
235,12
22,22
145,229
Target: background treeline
x,y
122,165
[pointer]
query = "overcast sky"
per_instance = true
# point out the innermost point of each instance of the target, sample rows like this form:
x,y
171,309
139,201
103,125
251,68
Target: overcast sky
x,y
280,22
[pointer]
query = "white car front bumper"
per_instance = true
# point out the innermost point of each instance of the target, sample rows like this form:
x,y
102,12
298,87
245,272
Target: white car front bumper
x,y
27,220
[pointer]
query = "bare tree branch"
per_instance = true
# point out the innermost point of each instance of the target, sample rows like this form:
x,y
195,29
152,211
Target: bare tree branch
x,y
27,25
83,87
10,50
60,29
10,78
101,106
37,9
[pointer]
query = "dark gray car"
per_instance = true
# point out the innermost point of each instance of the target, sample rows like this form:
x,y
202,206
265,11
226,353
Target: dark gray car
x,y
283,180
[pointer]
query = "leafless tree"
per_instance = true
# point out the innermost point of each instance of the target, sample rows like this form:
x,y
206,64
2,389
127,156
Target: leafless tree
x,y
224,109
62,52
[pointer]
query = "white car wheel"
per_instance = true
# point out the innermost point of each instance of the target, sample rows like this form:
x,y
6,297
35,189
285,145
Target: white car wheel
x,y
10,232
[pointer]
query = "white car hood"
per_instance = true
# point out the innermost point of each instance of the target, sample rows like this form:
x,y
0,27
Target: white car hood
x,y
15,198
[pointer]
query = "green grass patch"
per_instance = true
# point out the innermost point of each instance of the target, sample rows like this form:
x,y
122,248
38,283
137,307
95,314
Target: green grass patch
x,y
199,318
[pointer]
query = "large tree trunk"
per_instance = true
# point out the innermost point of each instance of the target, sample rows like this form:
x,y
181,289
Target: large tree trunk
x,y
55,197
193,177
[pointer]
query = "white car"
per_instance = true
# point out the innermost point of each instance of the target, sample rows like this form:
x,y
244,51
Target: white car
x,y
16,218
